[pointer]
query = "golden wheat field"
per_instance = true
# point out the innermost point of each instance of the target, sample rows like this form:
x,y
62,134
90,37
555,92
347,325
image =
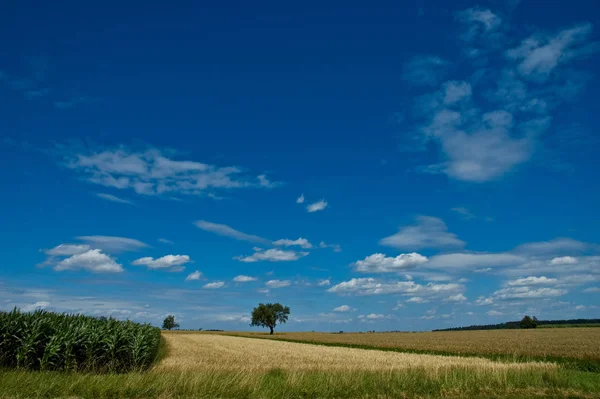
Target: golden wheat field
x,y
582,343
208,352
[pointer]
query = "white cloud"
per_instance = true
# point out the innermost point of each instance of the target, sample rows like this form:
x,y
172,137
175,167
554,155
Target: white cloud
x,y
114,198
165,241
524,292
317,206
563,260
429,232
371,286
580,307
323,283
93,260
301,242
417,299
224,230
194,276
532,281
374,316
36,306
494,313
343,308
484,270
456,298
67,250
425,70
335,247
244,279
151,172
166,262
455,92
271,255
278,283
300,199
591,290
215,285
540,54
379,263
113,244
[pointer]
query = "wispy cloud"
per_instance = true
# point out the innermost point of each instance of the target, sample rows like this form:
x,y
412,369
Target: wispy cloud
x,y
165,241
300,199
113,244
74,102
152,172
464,212
215,285
425,70
114,198
379,263
224,230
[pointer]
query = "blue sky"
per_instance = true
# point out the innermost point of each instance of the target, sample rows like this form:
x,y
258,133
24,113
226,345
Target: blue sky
x,y
390,166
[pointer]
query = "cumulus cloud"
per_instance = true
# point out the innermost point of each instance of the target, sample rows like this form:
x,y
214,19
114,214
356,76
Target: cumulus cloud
x,y
563,260
215,285
226,231
478,22
343,308
271,255
371,286
92,260
300,242
165,262
194,276
278,283
113,244
379,263
323,283
456,298
317,206
243,279
429,232
152,172
114,198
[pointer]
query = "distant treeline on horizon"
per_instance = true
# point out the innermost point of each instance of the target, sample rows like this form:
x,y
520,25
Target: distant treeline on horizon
x,y
513,325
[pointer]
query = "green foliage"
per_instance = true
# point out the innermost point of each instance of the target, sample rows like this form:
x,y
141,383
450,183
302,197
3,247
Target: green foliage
x,y
528,322
50,341
169,323
268,315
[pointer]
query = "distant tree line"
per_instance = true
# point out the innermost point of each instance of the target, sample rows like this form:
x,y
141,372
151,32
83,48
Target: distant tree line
x,y
514,325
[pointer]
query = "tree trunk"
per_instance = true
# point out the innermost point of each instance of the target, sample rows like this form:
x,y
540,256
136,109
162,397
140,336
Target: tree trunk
x,y
271,333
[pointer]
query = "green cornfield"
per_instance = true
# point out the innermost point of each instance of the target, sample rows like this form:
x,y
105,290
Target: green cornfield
x,y
44,340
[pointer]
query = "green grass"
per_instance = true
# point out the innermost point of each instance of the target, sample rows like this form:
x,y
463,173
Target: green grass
x,y
579,364
448,383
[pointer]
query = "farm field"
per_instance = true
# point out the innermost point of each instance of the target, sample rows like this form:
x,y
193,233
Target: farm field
x,y
580,344
217,365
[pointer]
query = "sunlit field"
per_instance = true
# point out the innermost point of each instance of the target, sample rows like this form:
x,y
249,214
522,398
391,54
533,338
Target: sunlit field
x,y
577,343
209,365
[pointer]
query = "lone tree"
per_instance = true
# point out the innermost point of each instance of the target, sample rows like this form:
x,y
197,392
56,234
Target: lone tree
x,y
268,315
169,323
528,322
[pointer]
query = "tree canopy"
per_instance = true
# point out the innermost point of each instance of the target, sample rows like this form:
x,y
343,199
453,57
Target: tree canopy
x,y
528,322
269,314
169,323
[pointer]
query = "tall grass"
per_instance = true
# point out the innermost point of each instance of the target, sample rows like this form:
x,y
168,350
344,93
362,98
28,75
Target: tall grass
x,y
44,340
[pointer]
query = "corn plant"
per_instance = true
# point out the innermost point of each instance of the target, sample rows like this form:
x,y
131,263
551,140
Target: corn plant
x,y
44,340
